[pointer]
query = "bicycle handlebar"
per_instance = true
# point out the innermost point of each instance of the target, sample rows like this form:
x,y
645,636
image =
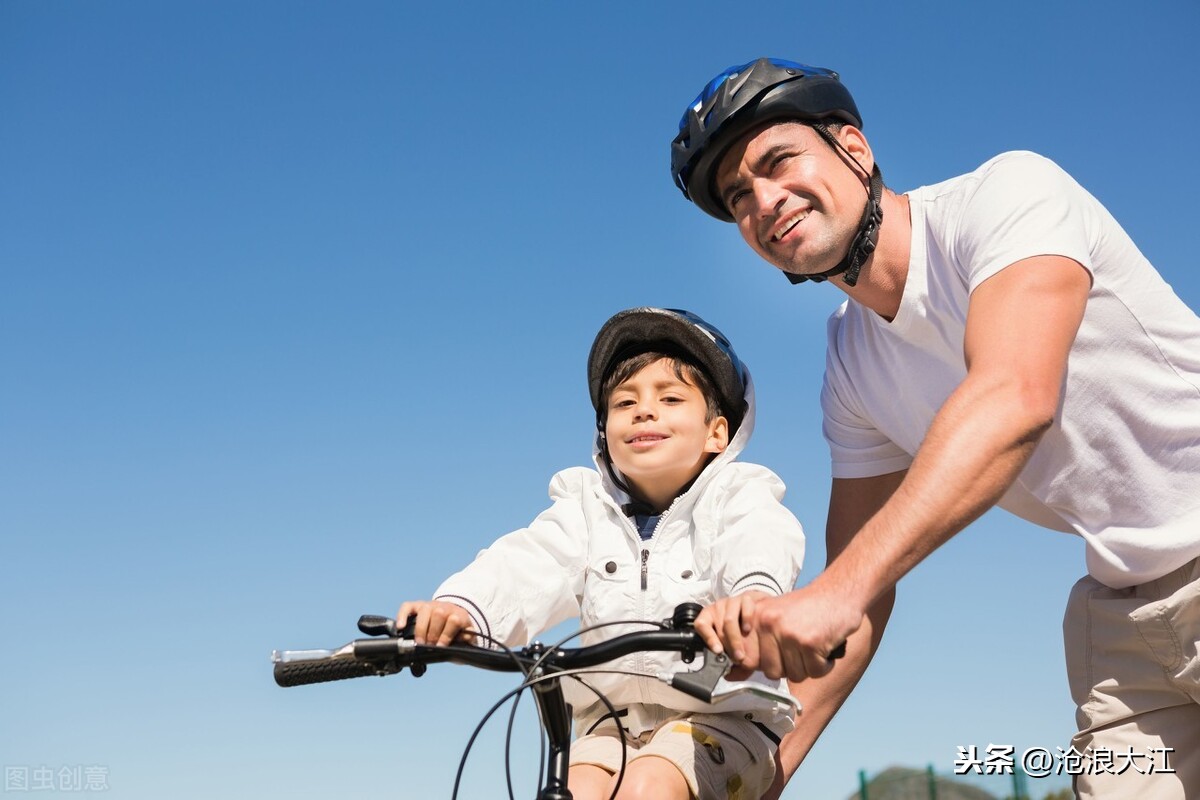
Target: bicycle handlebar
x,y
390,650
393,650
386,656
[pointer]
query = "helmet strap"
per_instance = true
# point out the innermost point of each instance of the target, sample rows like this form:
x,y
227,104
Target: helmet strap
x,y
607,459
867,236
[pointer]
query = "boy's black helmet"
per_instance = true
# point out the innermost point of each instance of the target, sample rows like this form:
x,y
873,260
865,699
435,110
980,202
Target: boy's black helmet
x,y
740,98
640,330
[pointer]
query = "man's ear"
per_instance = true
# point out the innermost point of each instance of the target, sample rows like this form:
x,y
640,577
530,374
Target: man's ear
x,y
856,144
718,436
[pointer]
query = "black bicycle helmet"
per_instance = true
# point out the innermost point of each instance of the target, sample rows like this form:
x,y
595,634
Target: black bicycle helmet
x,y
740,98
757,92
640,330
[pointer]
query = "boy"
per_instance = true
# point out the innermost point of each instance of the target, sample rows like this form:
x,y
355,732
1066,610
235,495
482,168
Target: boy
x,y
667,517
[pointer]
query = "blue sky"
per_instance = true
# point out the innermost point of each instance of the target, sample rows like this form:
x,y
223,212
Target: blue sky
x,y
295,300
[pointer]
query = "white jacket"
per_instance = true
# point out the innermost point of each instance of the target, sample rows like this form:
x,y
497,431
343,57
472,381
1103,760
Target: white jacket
x,y
583,557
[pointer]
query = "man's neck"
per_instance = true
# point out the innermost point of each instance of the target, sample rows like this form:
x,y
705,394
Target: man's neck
x,y
881,283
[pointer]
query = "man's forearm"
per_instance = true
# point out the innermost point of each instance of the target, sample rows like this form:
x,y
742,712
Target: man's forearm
x,y
976,447
820,698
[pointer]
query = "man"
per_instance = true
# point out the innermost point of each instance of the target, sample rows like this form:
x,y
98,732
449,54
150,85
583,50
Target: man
x,y
1003,343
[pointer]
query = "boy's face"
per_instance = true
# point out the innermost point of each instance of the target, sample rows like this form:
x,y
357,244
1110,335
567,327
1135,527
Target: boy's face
x,y
656,433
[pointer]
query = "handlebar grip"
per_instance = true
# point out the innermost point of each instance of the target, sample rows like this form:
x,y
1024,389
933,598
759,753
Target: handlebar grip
x,y
302,673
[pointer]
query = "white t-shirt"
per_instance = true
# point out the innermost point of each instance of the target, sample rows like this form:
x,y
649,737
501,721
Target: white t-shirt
x,y
1121,464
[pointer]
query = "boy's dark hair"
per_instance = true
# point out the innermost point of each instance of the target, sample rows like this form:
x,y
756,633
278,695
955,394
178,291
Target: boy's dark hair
x,y
685,369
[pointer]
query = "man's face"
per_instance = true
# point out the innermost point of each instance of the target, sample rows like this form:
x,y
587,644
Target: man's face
x,y
795,200
656,432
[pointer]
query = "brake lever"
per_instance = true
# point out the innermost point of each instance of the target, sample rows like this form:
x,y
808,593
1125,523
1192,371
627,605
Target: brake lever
x,y
708,684
376,625
700,683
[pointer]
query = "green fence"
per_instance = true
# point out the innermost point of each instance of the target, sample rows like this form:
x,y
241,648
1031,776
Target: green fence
x,y
905,783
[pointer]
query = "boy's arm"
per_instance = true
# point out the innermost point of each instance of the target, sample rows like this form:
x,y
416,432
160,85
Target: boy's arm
x,y
527,580
758,544
724,625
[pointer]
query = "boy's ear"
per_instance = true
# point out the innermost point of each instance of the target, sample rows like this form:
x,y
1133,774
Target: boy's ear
x,y
718,436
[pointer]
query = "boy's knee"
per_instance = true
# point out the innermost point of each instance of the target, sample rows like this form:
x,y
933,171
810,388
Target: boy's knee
x,y
653,778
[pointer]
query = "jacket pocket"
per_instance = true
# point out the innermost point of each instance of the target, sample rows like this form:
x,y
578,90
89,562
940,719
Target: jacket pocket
x,y
606,592
683,581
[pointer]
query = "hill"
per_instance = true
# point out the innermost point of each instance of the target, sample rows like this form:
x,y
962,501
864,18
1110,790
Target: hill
x,y
905,783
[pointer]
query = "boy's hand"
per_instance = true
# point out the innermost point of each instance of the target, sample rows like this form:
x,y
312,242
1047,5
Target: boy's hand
x,y
727,626
438,623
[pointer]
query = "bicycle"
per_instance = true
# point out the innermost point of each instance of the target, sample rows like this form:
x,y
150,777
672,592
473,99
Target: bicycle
x,y
390,650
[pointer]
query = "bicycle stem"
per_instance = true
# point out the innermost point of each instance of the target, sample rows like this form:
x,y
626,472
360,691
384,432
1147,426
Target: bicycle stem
x,y
556,719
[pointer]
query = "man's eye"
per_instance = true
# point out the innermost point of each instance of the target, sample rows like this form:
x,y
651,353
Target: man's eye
x,y
736,198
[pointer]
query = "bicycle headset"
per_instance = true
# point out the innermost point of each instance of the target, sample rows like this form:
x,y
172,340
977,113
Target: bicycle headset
x,y
751,94
673,331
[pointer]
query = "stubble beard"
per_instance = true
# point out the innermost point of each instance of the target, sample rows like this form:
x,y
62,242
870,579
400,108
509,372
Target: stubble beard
x,y
820,251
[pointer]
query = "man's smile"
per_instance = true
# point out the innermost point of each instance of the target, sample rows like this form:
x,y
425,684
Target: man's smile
x,y
788,223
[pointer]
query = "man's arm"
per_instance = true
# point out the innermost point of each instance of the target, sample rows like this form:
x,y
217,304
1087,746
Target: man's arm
x,y
851,504
1020,327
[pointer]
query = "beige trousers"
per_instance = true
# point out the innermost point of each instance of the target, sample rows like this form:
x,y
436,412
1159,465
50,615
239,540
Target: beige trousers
x,y
721,756
1134,673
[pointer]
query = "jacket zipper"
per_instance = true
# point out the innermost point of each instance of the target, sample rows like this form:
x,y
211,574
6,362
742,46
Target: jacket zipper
x,y
646,550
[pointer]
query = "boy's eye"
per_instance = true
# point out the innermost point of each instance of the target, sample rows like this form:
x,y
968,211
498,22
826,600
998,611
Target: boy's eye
x,y
624,403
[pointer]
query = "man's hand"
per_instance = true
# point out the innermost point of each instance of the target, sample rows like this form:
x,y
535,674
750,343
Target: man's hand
x,y
438,622
791,636
798,633
725,624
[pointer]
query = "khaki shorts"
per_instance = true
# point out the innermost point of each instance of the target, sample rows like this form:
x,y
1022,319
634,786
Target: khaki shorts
x,y
721,756
1134,671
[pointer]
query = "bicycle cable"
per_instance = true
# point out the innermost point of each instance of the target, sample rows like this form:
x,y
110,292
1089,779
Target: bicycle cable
x,y
573,674
524,670
528,671
515,693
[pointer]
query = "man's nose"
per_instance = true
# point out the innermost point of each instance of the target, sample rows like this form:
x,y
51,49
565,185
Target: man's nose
x,y
769,196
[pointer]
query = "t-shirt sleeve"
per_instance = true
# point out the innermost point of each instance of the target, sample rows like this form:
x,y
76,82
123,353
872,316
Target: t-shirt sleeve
x,y
857,449
1024,205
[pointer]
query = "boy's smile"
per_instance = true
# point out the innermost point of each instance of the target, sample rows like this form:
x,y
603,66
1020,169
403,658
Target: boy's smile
x,y
643,441
656,432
